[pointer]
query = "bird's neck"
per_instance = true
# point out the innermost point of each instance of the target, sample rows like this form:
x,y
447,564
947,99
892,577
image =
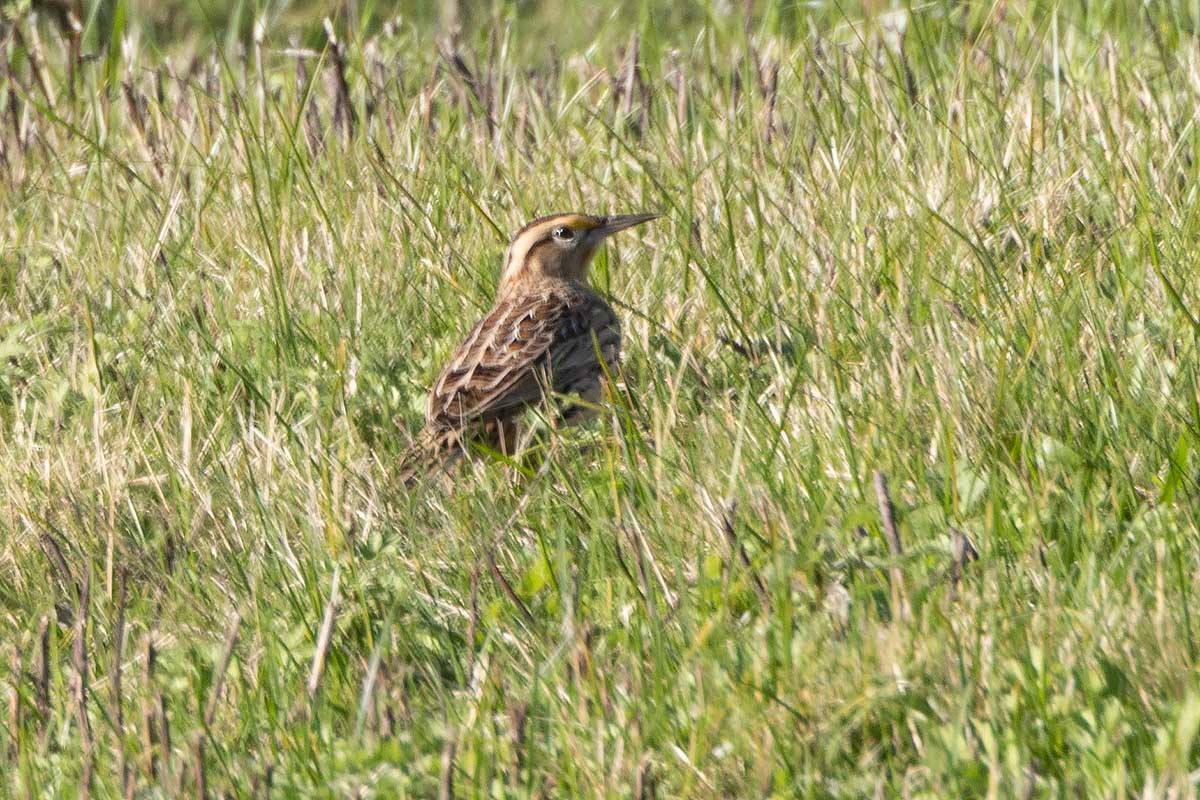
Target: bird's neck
x,y
525,284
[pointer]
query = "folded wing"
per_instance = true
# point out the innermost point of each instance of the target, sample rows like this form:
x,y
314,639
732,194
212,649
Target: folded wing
x,y
524,346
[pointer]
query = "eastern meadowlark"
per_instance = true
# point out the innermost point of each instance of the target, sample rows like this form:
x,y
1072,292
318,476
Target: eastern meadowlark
x,y
547,336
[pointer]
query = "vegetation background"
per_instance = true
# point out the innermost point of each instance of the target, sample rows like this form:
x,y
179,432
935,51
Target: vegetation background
x,y
897,496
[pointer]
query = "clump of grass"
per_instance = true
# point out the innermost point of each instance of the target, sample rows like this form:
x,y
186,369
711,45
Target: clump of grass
x,y
920,291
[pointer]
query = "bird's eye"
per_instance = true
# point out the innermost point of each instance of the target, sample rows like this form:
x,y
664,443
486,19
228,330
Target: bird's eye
x,y
563,233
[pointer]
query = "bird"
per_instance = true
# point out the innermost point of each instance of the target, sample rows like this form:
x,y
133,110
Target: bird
x,y
548,339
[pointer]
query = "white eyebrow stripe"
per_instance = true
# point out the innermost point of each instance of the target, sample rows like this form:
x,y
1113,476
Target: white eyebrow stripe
x,y
521,245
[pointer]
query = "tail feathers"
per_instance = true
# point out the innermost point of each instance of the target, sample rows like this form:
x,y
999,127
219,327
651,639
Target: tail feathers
x,y
436,448
433,450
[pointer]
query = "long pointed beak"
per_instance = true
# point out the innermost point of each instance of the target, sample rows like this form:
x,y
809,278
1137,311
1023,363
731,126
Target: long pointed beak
x,y
619,222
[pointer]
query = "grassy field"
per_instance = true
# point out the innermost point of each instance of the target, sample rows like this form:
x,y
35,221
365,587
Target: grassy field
x,y
923,289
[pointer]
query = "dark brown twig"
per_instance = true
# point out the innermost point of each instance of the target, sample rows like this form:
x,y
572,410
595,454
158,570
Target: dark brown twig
x,y
344,118
261,782
644,787
14,108
54,553
518,715
214,693
68,14
32,45
117,699
312,115
727,525
164,731
80,687
506,586
199,775
149,708
771,90
887,513
474,85
41,676
964,554
627,82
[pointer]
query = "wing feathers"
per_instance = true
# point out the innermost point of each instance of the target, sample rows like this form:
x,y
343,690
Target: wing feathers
x,y
505,361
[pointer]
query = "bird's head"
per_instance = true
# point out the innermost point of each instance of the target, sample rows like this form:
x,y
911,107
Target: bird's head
x,y
560,246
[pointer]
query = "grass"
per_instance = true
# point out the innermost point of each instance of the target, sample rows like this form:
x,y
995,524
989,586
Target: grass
x,y
946,246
